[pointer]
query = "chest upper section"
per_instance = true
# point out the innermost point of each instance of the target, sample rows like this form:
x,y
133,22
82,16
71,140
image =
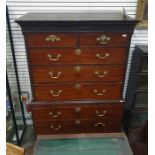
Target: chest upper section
x,y
76,22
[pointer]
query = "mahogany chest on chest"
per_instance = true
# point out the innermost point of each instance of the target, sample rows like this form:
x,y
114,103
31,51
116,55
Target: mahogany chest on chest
x,y
77,64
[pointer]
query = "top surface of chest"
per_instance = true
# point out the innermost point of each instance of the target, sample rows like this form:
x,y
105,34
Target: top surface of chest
x,y
77,21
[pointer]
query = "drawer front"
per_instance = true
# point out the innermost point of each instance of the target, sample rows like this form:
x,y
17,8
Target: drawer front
x,y
77,91
78,126
83,55
77,73
103,39
61,112
51,39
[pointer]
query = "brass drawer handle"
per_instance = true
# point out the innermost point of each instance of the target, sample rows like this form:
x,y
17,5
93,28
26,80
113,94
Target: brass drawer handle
x,y
103,39
55,115
55,94
78,51
124,35
77,86
77,68
77,109
99,114
55,128
99,94
99,124
77,122
54,59
54,77
52,38
102,56
100,75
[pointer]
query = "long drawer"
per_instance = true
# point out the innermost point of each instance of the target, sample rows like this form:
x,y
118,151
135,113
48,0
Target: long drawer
x,y
77,73
78,126
75,111
51,39
86,91
72,55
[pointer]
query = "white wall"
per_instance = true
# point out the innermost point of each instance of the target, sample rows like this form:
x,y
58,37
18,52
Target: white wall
x,y
18,8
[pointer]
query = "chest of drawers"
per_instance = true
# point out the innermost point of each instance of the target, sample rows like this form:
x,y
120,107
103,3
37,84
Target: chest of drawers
x,y
77,67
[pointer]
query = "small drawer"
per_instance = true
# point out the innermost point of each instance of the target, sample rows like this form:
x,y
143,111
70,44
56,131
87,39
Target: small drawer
x,y
52,127
104,38
77,126
76,111
51,39
51,92
83,55
77,73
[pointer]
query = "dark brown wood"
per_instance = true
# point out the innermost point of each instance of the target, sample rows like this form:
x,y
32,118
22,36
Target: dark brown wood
x,y
85,126
75,16
86,135
39,56
39,39
52,74
77,22
90,39
38,104
76,111
75,49
70,92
